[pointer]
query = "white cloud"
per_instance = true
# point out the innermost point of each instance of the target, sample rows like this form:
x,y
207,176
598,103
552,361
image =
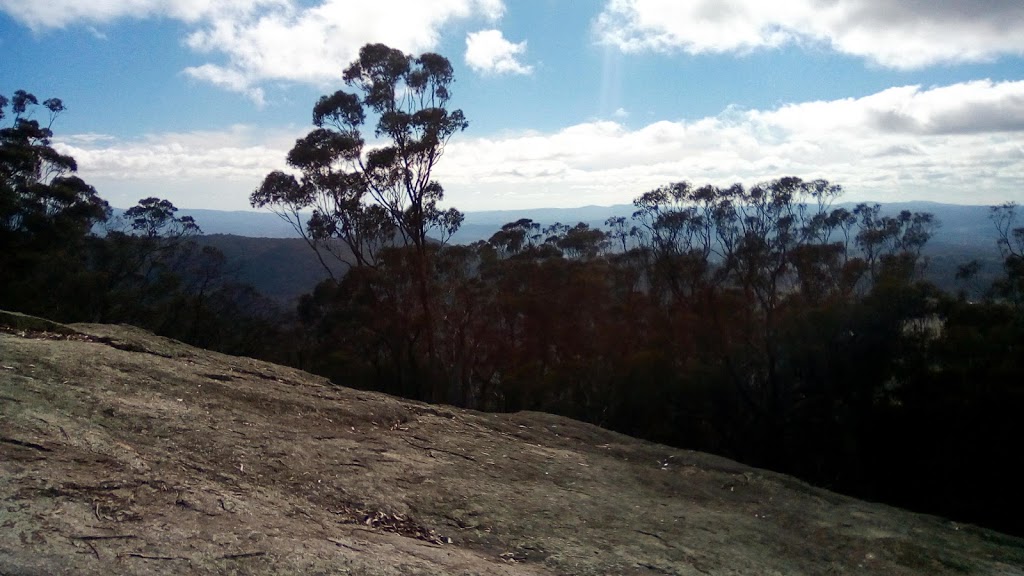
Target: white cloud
x,y
228,79
96,33
903,34
254,41
971,107
960,143
488,52
204,169
61,13
315,44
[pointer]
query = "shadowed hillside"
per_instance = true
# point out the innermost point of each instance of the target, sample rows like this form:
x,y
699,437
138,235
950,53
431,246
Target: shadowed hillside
x,y
280,268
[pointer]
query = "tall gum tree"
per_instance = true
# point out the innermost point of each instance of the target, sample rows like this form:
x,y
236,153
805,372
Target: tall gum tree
x,y
372,195
41,199
46,211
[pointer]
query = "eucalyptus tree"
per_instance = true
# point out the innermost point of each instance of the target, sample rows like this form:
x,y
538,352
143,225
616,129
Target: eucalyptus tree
x,y
677,230
1010,237
373,190
41,199
892,244
46,211
1011,246
370,194
515,237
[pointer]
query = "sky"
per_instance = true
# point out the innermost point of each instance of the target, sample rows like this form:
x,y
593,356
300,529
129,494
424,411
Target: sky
x,y
570,102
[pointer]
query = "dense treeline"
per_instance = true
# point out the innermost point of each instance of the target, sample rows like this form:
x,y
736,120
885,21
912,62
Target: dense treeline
x,y
143,268
755,322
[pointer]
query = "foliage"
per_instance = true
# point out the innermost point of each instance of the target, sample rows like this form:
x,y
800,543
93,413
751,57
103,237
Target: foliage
x,y
144,270
154,218
365,195
1011,245
374,197
45,210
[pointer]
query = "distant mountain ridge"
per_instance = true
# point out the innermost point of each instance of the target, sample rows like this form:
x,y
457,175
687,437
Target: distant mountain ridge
x,y
265,251
962,225
248,223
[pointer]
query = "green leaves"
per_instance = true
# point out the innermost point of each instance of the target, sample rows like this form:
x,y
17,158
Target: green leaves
x,y
352,188
279,188
21,101
154,218
377,73
321,149
341,110
41,201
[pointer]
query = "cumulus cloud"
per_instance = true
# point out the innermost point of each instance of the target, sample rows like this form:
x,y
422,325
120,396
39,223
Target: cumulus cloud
x,y
61,13
202,169
314,44
905,34
255,41
228,79
971,107
488,52
960,143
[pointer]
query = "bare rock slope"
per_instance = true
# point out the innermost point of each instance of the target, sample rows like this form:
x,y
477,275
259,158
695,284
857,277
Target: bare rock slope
x,y
126,453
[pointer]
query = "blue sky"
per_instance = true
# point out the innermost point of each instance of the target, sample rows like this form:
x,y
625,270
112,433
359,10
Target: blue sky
x,y
570,103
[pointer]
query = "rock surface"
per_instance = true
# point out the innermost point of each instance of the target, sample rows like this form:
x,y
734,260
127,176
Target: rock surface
x,y
125,453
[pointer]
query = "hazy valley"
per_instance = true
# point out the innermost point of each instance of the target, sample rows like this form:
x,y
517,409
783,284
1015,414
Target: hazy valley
x,y
266,252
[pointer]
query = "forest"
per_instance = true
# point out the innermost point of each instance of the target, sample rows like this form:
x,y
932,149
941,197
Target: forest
x,y
751,321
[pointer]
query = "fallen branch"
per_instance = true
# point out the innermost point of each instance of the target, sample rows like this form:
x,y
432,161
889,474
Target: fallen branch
x,y
653,535
93,548
88,537
25,444
105,486
569,489
242,555
148,557
343,545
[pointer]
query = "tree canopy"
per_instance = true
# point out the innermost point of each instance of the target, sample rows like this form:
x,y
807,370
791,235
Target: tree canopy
x,y
42,201
62,255
369,196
